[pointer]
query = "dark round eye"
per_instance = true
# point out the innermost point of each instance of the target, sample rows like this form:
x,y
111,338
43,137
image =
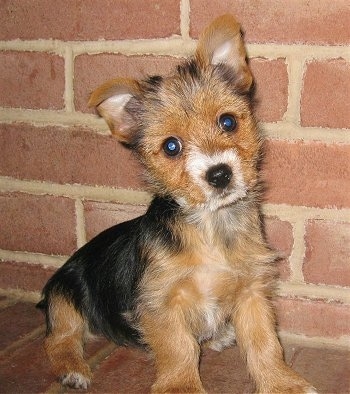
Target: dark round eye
x,y
172,146
227,122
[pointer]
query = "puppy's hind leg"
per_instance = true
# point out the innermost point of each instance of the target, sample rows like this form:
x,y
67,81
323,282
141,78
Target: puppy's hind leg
x,y
64,343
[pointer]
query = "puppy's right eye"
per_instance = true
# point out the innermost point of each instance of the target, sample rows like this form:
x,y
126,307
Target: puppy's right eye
x,y
227,122
172,146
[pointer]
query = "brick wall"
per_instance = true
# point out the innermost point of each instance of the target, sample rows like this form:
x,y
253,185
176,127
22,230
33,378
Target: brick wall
x,y
63,178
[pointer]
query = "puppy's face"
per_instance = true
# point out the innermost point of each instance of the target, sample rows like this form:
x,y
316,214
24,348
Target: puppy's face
x,y
200,142
193,130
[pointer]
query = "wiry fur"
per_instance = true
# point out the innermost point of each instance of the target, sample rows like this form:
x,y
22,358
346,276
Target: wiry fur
x,y
195,269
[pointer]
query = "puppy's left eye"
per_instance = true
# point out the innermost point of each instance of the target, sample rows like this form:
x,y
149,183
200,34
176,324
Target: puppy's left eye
x,y
227,122
172,146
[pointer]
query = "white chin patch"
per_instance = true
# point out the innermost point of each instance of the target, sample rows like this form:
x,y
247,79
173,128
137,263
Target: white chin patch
x,y
197,166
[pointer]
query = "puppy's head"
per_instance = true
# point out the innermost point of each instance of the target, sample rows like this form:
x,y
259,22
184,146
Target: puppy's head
x,y
193,130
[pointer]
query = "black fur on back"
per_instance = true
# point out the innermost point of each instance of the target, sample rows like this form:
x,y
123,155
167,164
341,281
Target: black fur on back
x,y
101,279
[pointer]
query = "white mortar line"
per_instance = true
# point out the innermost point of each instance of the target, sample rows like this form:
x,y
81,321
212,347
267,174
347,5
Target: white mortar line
x,y
284,131
69,77
285,212
53,118
80,223
296,258
16,295
295,68
341,343
289,131
185,19
32,258
294,213
175,46
95,193
316,292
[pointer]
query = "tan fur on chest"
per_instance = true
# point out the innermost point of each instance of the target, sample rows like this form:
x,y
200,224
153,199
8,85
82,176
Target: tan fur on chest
x,y
200,282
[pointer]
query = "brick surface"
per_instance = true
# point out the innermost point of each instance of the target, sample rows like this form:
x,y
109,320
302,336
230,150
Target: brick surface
x,y
128,370
85,20
25,276
43,224
225,372
99,216
308,174
26,370
325,85
327,369
313,318
327,252
132,363
297,21
279,234
93,70
271,80
66,155
31,80
18,320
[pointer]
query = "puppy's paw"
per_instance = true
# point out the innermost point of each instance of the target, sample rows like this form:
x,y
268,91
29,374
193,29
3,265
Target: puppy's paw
x,y
288,383
75,380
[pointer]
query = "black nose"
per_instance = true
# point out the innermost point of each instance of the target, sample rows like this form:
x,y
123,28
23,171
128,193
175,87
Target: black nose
x,y
219,176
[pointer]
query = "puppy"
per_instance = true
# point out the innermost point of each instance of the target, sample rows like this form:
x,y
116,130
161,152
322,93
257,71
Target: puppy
x,y
195,269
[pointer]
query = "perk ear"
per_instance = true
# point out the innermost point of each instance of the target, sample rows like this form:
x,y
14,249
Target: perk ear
x,y
221,42
110,100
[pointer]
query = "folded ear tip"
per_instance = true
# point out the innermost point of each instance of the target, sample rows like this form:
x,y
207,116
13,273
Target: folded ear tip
x,y
227,21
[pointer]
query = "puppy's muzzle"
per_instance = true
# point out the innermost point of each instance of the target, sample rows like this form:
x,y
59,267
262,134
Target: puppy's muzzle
x,y
219,176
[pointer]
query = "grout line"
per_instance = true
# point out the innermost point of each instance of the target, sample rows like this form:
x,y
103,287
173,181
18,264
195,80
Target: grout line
x,y
95,193
47,261
295,69
175,46
80,223
16,346
314,292
341,343
282,130
101,355
294,213
18,295
185,9
289,213
296,258
53,118
289,131
69,77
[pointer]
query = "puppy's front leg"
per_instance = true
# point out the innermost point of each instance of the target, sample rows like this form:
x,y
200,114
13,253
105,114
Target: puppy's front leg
x,y
176,353
256,335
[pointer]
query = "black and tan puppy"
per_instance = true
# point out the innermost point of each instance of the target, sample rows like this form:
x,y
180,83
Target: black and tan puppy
x,y
195,269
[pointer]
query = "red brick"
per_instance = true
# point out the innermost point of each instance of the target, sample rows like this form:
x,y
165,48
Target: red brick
x,y
66,155
27,370
124,362
313,318
225,372
31,80
327,369
42,224
279,234
87,20
323,101
271,88
280,21
99,216
307,173
18,320
93,70
25,276
327,252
